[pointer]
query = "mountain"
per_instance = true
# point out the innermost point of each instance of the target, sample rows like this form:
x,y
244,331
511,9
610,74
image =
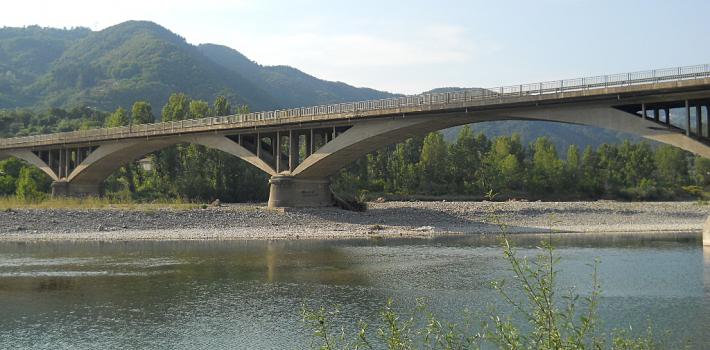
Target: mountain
x,y
141,60
28,53
292,87
137,60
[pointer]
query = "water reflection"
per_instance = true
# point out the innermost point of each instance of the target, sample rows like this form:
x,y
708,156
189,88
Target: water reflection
x,y
247,294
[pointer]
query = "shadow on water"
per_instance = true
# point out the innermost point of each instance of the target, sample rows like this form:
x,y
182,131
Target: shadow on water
x,y
155,276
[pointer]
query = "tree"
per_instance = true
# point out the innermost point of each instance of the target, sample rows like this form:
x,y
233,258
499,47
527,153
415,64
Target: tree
x,y
117,118
572,168
504,168
672,165
373,170
590,182
27,185
546,173
466,156
402,166
222,107
611,166
702,171
638,162
177,108
142,113
9,172
433,163
199,109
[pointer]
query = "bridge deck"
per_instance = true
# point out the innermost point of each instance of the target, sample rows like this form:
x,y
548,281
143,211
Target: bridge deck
x,y
683,79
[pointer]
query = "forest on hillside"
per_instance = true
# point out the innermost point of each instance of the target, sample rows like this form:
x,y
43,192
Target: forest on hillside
x,y
428,167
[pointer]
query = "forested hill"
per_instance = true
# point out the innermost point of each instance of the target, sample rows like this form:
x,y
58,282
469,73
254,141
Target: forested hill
x,y
290,86
135,60
43,68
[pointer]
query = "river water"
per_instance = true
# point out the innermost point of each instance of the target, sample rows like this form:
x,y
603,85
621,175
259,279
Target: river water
x,y
248,294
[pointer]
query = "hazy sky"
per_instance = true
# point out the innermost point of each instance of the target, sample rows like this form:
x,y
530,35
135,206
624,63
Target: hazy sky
x,y
413,46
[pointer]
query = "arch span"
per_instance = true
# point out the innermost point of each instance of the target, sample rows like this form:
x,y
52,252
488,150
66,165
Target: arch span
x,y
32,159
617,120
369,136
366,137
107,158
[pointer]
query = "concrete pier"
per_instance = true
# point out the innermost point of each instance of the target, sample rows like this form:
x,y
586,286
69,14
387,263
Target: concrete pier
x,y
68,189
288,191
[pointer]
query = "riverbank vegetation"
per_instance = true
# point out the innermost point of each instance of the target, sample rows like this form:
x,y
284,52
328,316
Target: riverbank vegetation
x,y
473,165
423,168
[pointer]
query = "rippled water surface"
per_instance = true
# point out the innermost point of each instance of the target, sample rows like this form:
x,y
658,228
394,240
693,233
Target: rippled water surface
x,y
248,294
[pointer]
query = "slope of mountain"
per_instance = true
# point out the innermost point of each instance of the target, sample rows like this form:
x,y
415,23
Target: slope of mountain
x,y
26,54
136,60
290,86
141,60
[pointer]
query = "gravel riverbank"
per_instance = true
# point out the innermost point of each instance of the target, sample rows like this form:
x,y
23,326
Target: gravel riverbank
x,y
244,221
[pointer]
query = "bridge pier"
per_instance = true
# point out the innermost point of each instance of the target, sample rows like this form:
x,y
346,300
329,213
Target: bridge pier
x,y
63,188
289,191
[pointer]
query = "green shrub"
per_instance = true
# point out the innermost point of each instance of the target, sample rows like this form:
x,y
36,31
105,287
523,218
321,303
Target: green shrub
x,y
27,189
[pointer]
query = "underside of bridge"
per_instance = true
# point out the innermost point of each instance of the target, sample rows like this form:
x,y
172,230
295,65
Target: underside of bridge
x,y
301,158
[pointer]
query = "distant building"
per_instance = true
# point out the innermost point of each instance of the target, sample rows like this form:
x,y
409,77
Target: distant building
x,y
146,164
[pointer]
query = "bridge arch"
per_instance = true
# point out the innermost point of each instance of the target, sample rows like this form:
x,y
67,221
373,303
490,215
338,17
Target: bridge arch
x,y
307,183
109,157
86,177
32,159
364,138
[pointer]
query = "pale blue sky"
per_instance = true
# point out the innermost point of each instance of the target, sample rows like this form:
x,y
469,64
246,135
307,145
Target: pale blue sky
x,y
412,46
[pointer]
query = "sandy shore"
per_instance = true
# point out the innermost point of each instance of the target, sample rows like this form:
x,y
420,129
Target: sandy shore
x,y
392,219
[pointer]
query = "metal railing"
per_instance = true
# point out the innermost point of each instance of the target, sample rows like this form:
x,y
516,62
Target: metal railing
x,y
469,95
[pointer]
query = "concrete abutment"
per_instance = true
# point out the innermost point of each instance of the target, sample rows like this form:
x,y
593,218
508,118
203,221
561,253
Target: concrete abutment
x,y
69,189
289,191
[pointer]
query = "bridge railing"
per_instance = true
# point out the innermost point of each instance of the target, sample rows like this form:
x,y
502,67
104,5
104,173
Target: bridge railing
x,y
461,96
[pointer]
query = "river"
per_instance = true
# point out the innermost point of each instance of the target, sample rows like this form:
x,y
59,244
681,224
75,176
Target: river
x,y
248,294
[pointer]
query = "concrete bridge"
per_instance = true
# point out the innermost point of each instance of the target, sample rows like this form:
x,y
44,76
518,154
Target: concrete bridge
x,y
301,148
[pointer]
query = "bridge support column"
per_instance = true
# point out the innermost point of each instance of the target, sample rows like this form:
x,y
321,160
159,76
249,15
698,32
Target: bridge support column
x,y
64,188
288,191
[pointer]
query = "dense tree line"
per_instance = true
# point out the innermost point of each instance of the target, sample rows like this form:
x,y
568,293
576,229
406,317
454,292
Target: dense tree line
x,y
471,166
191,172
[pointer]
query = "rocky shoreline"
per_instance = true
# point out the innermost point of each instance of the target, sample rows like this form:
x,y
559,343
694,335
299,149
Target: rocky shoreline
x,y
391,219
